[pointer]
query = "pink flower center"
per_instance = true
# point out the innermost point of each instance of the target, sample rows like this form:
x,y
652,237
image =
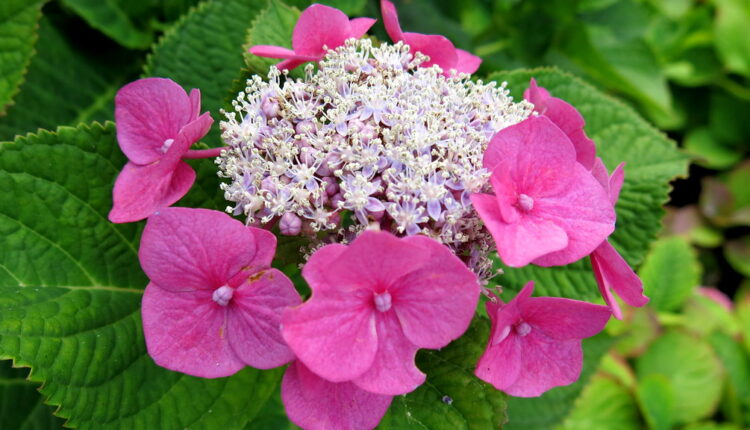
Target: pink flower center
x,y
223,295
526,203
165,146
383,301
523,328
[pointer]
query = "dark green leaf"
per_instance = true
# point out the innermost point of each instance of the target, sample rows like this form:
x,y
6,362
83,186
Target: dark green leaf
x,y
18,21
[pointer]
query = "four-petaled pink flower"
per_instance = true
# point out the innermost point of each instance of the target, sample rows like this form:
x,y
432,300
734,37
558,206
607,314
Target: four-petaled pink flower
x,y
547,208
318,29
565,116
612,272
440,50
535,342
157,122
374,304
314,403
214,303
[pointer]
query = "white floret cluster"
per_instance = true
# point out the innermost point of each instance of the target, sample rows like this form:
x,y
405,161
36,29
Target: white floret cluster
x,y
371,134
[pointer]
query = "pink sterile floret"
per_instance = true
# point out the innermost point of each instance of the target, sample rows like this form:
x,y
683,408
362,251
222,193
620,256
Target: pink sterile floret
x,y
535,342
214,303
318,29
157,122
546,204
440,50
374,304
314,403
565,116
612,272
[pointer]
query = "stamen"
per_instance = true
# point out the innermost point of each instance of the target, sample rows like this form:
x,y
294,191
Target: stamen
x,y
523,329
223,295
165,146
383,301
526,203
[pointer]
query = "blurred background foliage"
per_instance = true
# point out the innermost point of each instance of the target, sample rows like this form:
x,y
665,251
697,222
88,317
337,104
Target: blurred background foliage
x,y
681,362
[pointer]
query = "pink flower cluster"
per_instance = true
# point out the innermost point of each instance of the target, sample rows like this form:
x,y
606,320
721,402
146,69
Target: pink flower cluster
x,y
214,303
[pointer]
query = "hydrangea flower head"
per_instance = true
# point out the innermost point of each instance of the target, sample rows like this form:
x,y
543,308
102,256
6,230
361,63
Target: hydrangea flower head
x,y
372,134
214,303
612,272
438,48
157,122
314,403
374,304
547,207
567,118
318,29
535,342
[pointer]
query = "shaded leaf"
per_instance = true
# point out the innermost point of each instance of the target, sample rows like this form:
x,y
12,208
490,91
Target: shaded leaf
x,y
18,21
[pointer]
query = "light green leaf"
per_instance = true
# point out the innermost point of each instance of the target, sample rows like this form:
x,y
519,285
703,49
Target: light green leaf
x,y
111,18
621,135
452,398
273,26
732,39
550,409
656,399
604,404
670,273
709,151
70,293
66,85
18,21
21,406
692,369
204,50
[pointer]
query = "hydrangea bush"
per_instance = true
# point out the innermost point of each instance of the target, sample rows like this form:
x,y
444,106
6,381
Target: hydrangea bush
x,y
364,234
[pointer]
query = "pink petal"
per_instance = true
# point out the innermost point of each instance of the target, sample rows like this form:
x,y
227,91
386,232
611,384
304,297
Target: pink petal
x,y
584,212
565,116
600,173
440,50
148,112
195,104
254,320
186,249
374,260
614,273
314,271
292,64
519,243
615,183
604,288
271,51
186,332
313,403
140,191
320,26
393,370
433,320
360,26
564,319
333,333
500,364
545,363
390,21
467,62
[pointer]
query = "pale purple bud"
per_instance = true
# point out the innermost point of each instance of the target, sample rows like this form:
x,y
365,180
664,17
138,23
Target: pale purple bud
x,y
290,224
269,107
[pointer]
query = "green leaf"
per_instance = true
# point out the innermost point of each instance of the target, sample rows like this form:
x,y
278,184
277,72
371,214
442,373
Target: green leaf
x,y
111,18
732,40
70,293
656,400
273,26
692,369
670,273
604,404
452,398
710,152
737,364
18,20
66,84
351,8
621,135
204,50
737,253
551,408
21,406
